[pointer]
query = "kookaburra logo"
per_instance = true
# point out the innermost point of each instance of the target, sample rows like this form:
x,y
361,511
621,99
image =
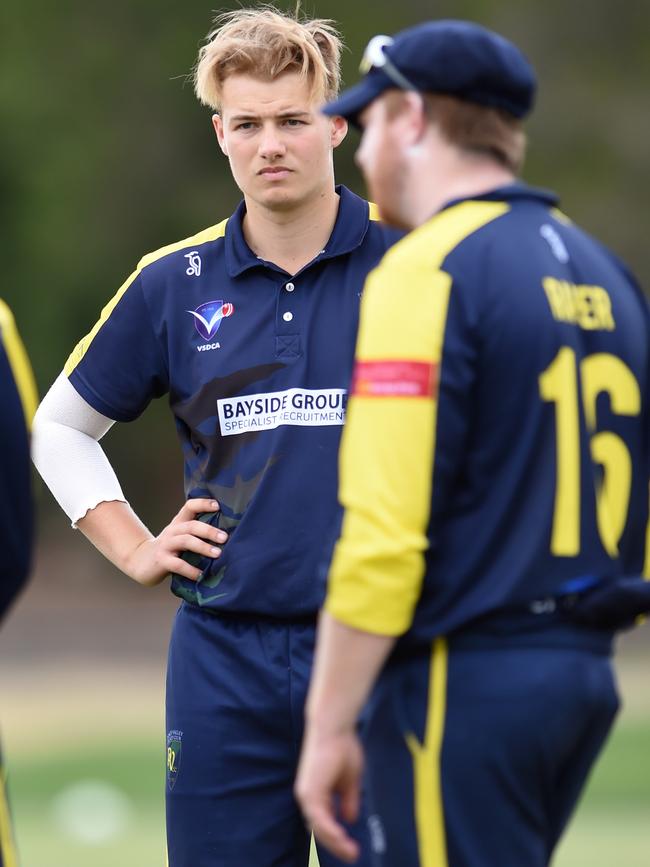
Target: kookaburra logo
x,y
194,260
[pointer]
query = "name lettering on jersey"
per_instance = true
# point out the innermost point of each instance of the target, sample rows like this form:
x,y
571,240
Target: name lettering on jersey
x,y
395,378
207,319
302,407
589,307
194,260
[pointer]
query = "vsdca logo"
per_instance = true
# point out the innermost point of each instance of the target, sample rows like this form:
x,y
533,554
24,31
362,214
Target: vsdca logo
x,y
207,317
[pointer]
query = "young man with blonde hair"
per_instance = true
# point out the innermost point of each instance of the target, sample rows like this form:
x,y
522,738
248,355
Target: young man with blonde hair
x,y
249,326
494,474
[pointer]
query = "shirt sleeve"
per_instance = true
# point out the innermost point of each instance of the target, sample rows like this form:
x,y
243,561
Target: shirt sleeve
x,y
17,398
67,453
388,446
119,366
392,451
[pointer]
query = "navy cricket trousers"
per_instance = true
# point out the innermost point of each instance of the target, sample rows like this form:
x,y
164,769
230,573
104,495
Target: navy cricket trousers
x,y
477,754
236,688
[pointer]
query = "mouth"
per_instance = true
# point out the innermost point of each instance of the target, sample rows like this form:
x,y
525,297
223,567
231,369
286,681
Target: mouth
x,y
275,172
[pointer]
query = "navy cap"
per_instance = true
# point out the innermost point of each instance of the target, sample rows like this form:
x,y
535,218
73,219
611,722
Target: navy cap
x,y
458,58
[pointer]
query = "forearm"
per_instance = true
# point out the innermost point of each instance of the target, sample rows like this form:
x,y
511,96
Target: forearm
x,y
346,665
117,532
67,453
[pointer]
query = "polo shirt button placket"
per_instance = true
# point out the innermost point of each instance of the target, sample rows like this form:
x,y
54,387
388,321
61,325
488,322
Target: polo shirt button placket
x,y
287,340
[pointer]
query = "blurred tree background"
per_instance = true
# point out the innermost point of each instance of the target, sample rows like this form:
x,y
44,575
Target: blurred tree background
x,y
105,153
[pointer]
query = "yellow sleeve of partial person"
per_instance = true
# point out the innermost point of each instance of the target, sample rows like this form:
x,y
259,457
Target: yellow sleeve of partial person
x,y
19,363
389,441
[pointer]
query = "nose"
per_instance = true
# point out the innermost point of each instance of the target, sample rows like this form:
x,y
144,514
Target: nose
x,y
271,144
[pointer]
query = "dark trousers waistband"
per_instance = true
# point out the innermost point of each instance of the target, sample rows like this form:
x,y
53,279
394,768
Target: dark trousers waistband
x,y
308,619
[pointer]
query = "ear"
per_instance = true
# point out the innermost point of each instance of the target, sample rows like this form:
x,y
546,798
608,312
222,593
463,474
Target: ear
x,y
217,123
412,117
338,130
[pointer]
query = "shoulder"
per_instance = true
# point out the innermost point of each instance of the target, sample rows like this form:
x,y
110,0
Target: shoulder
x,y
595,247
181,248
155,269
446,232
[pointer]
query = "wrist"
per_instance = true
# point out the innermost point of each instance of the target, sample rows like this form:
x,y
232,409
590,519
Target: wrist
x,y
329,718
134,562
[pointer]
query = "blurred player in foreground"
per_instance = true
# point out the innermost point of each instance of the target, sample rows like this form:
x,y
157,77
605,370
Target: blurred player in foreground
x,y
17,405
494,474
249,326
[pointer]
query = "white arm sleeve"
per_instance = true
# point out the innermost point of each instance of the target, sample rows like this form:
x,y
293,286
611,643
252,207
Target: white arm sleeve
x,y
65,448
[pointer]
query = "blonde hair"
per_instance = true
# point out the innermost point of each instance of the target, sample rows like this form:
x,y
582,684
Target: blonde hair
x,y
266,42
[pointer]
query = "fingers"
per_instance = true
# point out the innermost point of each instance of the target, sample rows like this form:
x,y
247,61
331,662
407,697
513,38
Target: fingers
x,y
152,561
180,567
192,508
203,531
174,542
156,558
329,780
188,542
331,834
350,803
182,536
171,562
187,534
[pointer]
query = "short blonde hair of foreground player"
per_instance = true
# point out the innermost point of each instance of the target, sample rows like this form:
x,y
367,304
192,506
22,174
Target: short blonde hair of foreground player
x,y
266,42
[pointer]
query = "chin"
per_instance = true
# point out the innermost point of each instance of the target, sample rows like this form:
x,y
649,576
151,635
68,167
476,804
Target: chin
x,y
392,215
390,202
280,201
283,199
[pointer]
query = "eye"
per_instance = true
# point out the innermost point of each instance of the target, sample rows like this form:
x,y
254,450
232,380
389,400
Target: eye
x,y
245,126
294,122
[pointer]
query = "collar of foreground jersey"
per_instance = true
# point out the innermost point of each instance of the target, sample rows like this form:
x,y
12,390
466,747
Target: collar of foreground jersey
x,y
509,193
348,234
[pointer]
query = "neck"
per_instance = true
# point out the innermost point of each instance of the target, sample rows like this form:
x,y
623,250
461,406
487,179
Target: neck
x,y
291,238
460,176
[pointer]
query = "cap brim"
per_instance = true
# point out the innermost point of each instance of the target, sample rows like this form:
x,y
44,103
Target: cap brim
x,y
352,101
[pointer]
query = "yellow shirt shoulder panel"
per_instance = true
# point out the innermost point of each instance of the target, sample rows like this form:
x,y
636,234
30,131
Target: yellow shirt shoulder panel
x,y
202,237
209,234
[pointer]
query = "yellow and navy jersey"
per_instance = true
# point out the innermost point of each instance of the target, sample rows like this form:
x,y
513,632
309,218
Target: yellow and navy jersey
x,y
18,402
496,450
257,365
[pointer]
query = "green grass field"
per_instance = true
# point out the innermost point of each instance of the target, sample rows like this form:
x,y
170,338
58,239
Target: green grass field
x,y
612,825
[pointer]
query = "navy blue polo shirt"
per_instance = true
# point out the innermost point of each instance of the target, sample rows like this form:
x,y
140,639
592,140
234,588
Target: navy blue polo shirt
x,y
256,364
498,444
